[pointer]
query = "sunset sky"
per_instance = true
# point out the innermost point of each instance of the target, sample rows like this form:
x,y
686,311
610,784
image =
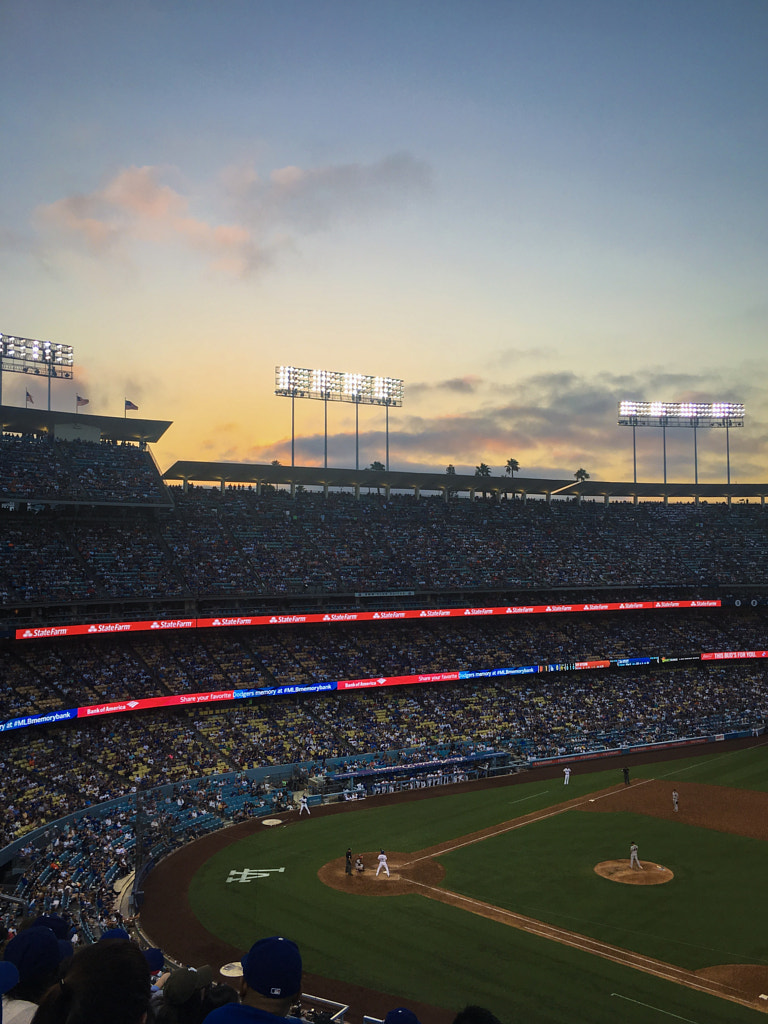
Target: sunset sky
x,y
526,209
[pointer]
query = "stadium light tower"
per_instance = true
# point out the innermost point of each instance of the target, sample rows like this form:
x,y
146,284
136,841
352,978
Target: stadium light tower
x,y
336,386
36,358
682,414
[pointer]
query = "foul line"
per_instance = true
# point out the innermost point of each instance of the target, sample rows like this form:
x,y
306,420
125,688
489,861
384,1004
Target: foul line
x,y
532,819
658,1009
585,944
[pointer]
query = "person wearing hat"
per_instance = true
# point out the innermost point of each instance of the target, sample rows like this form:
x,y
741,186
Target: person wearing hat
x,y
181,996
402,1015
106,981
9,978
36,953
270,983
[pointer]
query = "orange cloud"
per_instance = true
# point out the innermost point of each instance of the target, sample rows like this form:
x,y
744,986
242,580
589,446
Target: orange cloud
x,y
135,205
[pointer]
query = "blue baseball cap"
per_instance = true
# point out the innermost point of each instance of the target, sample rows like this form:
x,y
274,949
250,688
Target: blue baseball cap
x,y
9,976
35,952
272,967
401,1015
57,924
155,959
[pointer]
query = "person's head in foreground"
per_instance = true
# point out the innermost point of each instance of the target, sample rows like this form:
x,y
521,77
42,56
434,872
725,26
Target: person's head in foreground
x,y
401,1015
271,980
37,955
475,1015
108,981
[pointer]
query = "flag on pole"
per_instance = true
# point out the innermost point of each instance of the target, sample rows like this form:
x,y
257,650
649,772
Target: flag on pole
x,y
30,399
130,405
81,401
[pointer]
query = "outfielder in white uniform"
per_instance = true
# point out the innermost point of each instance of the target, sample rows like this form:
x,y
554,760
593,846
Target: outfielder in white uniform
x,y
634,863
383,866
566,776
304,806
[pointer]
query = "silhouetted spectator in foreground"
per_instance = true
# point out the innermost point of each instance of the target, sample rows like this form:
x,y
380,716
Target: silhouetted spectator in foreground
x,y
270,983
181,1001
402,1015
36,953
475,1015
108,981
9,978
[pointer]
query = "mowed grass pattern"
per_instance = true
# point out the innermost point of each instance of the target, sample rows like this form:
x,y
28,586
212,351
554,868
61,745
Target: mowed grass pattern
x,y
413,947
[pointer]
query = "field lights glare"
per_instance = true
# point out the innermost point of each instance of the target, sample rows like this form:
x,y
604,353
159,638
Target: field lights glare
x,y
43,358
680,410
682,414
336,386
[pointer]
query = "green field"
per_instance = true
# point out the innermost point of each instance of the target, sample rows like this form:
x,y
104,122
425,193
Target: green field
x,y
713,912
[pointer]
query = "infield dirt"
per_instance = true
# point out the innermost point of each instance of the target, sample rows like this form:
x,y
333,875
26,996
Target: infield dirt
x,y
168,920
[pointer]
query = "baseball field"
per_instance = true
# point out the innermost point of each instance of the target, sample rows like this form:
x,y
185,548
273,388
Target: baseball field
x,y
517,896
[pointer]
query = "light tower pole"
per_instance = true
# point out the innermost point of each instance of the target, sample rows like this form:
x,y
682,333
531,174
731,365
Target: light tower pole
x,y
35,358
338,386
682,414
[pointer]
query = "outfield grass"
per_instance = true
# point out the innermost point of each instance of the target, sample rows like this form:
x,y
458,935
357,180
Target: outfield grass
x,y
416,948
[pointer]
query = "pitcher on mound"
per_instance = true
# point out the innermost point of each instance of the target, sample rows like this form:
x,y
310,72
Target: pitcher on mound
x,y
634,863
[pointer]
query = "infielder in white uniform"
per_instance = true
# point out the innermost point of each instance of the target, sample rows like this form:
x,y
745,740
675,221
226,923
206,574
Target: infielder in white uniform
x,y
675,799
634,863
566,776
383,866
304,806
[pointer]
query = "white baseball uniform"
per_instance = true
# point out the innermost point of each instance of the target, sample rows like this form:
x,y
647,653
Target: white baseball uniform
x,y
383,866
304,806
566,776
634,863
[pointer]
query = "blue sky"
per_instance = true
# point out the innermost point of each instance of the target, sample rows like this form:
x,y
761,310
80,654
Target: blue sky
x,y
527,211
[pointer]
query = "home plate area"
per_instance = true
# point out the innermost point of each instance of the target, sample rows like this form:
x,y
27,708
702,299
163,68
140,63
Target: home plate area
x,y
403,871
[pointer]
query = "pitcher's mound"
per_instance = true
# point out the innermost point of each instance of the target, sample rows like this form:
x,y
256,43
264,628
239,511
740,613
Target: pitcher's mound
x,y
620,871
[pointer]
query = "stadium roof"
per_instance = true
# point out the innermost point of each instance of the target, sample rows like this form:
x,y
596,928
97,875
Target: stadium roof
x,y
234,473
112,428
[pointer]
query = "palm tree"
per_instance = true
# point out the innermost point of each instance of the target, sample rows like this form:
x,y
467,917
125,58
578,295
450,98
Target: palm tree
x,y
450,469
581,475
511,467
483,470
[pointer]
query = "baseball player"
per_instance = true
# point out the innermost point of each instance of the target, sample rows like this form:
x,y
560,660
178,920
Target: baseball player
x,y
675,798
566,776
634,863
304,806
383,866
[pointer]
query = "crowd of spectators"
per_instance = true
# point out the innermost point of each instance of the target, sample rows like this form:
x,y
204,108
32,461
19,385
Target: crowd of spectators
x,y
49,674
128,776
239,543
61,768
41,469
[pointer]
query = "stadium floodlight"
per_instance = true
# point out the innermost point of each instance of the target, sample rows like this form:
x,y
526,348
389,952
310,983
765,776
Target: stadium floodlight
x,y
38,358
682,414
336,386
